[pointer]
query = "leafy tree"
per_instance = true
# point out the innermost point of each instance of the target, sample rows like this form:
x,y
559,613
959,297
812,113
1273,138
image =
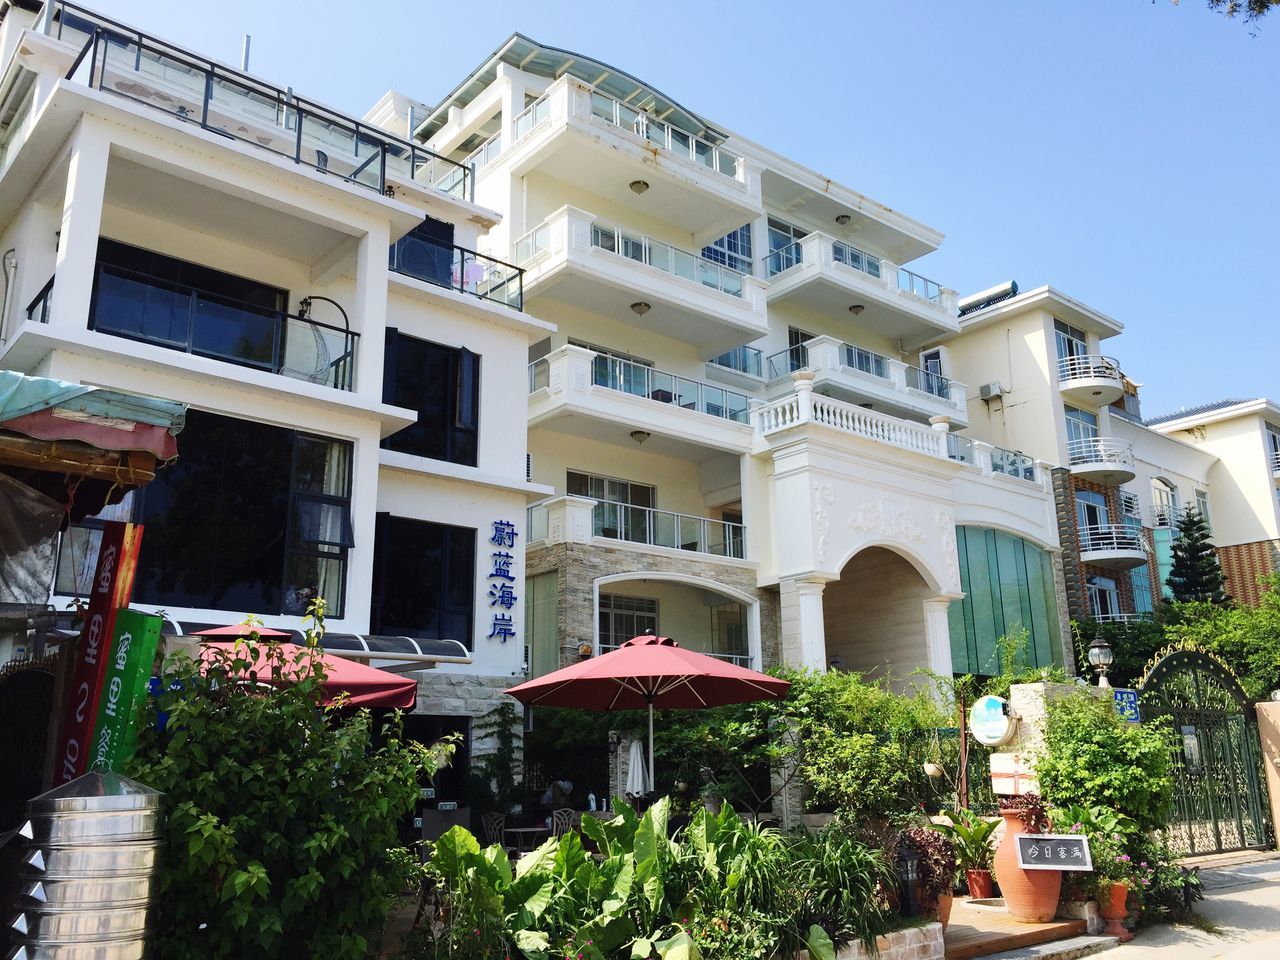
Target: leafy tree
x,y
1252,9
1196,575
1246,638
282,834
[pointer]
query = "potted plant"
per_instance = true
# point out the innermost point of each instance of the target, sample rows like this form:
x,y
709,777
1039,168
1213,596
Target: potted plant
x,y
1113,872
1030,896
935,868
970,835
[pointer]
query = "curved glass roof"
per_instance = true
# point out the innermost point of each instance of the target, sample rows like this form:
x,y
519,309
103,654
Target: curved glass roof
x,y
532,57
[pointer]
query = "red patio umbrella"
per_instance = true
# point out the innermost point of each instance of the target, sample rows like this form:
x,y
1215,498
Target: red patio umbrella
x,y
241,630
647,672
364,686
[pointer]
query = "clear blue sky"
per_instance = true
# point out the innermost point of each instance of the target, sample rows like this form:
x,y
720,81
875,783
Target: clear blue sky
x,y
1125,151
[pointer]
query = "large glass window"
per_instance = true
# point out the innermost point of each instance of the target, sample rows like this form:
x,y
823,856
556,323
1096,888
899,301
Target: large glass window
x,y
624,508
1081,425
622,618
443,385
733,249
250,518
1104,598
784,251
1091,509
424,577
1202,506
1164,503
1140,580
1071,341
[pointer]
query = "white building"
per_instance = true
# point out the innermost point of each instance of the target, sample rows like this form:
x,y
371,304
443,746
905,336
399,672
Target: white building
x,y
180,228
741,411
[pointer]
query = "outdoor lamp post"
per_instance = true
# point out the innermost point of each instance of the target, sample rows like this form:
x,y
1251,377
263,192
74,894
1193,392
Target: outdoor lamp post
x,y
1100,658
907,867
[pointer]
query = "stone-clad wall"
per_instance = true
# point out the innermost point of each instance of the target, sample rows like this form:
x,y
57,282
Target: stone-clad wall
x,y
464,695
579,565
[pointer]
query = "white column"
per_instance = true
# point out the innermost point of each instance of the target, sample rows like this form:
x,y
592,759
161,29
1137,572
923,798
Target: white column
x,y
81,225
569,519
937,635
804,642
369,311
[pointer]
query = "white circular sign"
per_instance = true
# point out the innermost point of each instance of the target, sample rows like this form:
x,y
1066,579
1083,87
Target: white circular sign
x,y
989,721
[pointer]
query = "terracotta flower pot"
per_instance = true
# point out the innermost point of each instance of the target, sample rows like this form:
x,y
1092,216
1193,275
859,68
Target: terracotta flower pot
x,y
1031,896
981,886
1114,907
944,909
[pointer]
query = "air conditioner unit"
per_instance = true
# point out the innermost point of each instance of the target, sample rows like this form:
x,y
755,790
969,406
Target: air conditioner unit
x,y
989,391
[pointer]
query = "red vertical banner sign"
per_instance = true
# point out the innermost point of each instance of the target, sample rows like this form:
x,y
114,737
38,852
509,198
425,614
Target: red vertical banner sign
x,y
111,589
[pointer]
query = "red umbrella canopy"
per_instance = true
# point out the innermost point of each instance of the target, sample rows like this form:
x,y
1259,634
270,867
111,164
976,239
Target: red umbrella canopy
x,y
242,630
648,671
364,686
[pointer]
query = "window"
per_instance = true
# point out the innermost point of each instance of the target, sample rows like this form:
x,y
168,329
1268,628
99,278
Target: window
x,y
732,250
1202,506
250,518
1164,503
424,580
623,511
1143,600
1104,598
1072,341
797,352
784,251
1091,509
542,635
443,385
622,618
1082,430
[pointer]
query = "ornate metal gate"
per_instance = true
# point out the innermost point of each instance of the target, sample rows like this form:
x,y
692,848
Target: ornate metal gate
x,y
1219,798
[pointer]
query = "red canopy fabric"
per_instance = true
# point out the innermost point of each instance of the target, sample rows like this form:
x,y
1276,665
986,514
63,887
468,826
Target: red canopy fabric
x,y
365,686
648,671
241,630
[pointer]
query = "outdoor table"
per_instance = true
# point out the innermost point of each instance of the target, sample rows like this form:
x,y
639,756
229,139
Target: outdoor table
x,y
525,835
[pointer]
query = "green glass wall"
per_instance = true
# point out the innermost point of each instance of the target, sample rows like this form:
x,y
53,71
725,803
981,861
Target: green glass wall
x,y
1008,586
1163,538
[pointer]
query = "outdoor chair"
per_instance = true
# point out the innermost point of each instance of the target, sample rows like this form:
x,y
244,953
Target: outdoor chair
x,y
493,824
563,820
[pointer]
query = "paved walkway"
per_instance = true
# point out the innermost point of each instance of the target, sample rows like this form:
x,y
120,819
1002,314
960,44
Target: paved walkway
x,y
1244,901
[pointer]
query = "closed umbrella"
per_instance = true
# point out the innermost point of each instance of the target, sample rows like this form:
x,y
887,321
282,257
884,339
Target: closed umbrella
x,y
639,782
647,672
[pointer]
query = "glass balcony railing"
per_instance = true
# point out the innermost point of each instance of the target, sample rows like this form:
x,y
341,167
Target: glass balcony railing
x,y
786,362
662,528
539,375
672,260
866,361
459,269
784,258
746,360
922,287
851,256
961,449
642,381
531,116
929,382
671,138
484,154
124,62
38,309
1013,464
149,309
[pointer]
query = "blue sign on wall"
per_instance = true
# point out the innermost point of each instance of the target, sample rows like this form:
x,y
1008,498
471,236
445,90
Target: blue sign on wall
x,y
1127,704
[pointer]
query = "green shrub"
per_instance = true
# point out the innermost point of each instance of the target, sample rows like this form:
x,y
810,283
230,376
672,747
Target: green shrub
x,y
282,831
1092,758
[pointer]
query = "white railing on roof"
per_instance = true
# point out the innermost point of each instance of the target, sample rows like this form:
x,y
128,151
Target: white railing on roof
x,y
680,142
1088,367
1110,537
1099,450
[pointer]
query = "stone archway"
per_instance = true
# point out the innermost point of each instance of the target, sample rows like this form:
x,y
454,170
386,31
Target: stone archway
x,y
882,617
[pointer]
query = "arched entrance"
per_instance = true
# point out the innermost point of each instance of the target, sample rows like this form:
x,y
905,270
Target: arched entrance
x,y
1219,803
878,617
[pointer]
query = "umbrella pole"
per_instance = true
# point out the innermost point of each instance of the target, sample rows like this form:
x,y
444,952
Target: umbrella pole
x,y
651,773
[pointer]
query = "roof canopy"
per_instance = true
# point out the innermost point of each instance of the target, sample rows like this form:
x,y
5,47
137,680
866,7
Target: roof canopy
x,y
542,61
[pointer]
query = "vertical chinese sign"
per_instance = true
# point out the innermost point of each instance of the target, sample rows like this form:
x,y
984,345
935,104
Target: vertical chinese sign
x,y
128,674
502,595
112,586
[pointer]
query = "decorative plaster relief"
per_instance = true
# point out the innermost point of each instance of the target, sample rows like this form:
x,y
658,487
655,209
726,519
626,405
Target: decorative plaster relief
x,y
947,526
823,498
885,518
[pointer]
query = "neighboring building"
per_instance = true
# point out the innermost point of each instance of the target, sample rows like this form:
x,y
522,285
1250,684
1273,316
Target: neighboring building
x,y
355,430
741,413
1244,438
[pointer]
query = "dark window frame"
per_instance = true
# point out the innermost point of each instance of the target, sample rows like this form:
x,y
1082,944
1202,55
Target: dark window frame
x,y
460,397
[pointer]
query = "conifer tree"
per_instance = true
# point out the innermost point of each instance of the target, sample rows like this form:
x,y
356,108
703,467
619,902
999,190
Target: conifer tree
x,y
1196,574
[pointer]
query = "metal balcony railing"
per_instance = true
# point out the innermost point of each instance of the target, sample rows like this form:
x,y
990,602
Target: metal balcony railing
x,y
38,309
746,360
149,309
672,260
1275,461
851,256
1099,450
1088,367
866,361
1167,516
655,131
459,269
788,361
929,382
643,381
922,287
124,62
662,528
1110,538
740,659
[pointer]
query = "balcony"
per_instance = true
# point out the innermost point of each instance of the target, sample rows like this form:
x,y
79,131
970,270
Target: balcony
x,y
1114,546
582,393
850,372
1101,460
124,62
458,269
561,519
608,148
741,367
572,259
1090,381
1275,464
834,277
137,306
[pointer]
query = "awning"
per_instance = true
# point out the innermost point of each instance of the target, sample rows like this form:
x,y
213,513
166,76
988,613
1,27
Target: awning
x,y
360,685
